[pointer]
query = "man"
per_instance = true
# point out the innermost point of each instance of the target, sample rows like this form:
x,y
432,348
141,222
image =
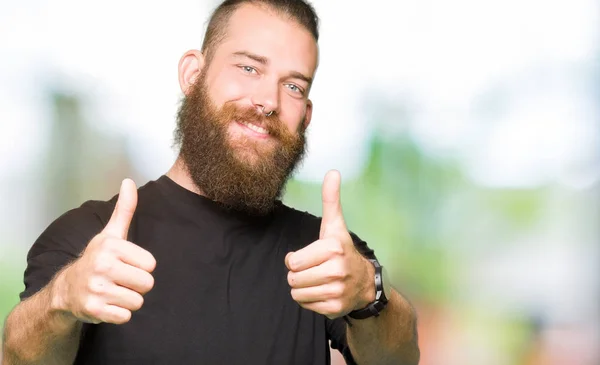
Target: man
x,y
205,265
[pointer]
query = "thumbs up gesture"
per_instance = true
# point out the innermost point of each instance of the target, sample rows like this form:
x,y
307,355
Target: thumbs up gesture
x,y
330,276
110,278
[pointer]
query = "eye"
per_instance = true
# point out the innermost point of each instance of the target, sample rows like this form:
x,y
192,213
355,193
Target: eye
x,y
295,88
248,69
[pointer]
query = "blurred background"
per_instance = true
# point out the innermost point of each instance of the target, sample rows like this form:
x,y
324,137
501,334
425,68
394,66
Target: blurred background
x,y
467,134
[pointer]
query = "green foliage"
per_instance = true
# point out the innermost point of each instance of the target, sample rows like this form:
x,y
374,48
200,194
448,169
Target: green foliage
x,y
395,206
419,211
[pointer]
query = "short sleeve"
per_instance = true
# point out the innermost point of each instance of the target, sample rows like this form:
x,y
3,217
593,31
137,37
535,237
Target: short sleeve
x,y
60,244
336,328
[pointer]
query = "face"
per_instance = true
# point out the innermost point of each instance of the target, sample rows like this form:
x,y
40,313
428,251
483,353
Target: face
x,y
233,152
265,61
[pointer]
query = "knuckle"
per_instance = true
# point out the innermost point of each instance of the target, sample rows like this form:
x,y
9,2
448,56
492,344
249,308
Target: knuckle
x,y
92,308
122,317
294,294
96,286
151,263
294,261
107,244
294,265
137,303
103,263
335,247
290,278
337,290
336,307
337,273
148,283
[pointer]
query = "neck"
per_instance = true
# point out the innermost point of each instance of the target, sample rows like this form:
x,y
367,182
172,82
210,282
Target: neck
x,y
179,173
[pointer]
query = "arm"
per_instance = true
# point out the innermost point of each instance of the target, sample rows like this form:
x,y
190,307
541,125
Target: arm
x,y
106,283
333,277
390,338
37,332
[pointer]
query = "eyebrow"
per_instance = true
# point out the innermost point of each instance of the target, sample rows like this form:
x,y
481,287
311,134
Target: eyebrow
x,y
260,59
265,61
300,76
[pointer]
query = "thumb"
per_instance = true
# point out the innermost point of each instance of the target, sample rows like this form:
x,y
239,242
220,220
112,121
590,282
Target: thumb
x,y
118,225
333,217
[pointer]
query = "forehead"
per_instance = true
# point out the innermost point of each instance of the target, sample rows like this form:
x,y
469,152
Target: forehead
x,y
286,43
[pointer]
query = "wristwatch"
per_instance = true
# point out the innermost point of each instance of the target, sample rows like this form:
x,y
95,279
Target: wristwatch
x,y
381,287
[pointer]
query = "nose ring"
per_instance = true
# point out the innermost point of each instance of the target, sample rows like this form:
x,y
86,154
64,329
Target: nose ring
x,y
266,114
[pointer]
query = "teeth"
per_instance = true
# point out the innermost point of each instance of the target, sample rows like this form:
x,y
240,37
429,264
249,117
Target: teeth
x,y
255,128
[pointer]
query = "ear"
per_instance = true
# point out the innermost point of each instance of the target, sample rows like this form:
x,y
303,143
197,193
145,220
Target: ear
x,y
190,67
309,109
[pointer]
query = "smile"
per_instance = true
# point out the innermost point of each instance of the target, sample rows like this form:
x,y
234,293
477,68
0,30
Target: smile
x,y
253,127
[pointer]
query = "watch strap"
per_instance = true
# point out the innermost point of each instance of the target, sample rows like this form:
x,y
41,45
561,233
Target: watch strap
x,y
380,301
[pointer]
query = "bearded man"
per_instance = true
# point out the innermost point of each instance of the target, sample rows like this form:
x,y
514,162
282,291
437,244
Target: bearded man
x,y
205,265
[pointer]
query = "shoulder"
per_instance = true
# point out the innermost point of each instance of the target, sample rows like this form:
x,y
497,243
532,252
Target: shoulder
x,y
60,243
73,229
299,227
90,214
101,210
295,215
299,219
87,220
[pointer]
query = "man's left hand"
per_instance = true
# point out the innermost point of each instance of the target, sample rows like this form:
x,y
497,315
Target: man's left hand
x,y
330,276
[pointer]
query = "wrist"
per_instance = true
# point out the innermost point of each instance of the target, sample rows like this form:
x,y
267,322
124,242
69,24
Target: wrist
x,y
56,293
380,301
369,290
57,298
59,308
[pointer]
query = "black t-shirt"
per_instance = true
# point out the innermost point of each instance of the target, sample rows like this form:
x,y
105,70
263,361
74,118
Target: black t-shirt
x,y
220,295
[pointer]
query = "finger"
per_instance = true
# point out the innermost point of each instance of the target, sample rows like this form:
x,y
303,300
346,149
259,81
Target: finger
x,y
115,314
314,276
134,278
317,293
332,207
124,298
118,225
287,260
134,255
331,309
314,254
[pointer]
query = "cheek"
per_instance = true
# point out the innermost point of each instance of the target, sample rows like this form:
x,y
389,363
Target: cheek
x,y
292,114
227,87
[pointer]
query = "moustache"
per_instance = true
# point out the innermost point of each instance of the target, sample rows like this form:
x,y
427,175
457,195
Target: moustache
x,y
272,123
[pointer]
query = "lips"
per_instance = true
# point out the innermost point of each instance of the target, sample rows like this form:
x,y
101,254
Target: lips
x,y
255,128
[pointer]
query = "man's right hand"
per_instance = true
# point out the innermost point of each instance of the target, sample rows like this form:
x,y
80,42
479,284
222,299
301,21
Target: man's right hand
x,y
110,278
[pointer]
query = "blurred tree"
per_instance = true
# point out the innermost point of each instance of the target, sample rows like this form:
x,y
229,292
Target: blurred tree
x,y
395,205
83,162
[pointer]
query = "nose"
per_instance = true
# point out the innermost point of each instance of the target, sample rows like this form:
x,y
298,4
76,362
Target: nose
x,y
266,97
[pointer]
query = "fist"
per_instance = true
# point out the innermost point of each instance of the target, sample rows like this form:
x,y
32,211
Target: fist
x,y
108,281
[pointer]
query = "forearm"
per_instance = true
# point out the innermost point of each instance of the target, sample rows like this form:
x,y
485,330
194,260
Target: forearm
x,y
390,338
36,333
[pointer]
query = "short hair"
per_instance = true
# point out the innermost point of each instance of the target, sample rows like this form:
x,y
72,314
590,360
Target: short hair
x,y
299,11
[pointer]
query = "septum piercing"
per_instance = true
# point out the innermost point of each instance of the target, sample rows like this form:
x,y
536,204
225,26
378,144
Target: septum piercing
x,y
267,114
